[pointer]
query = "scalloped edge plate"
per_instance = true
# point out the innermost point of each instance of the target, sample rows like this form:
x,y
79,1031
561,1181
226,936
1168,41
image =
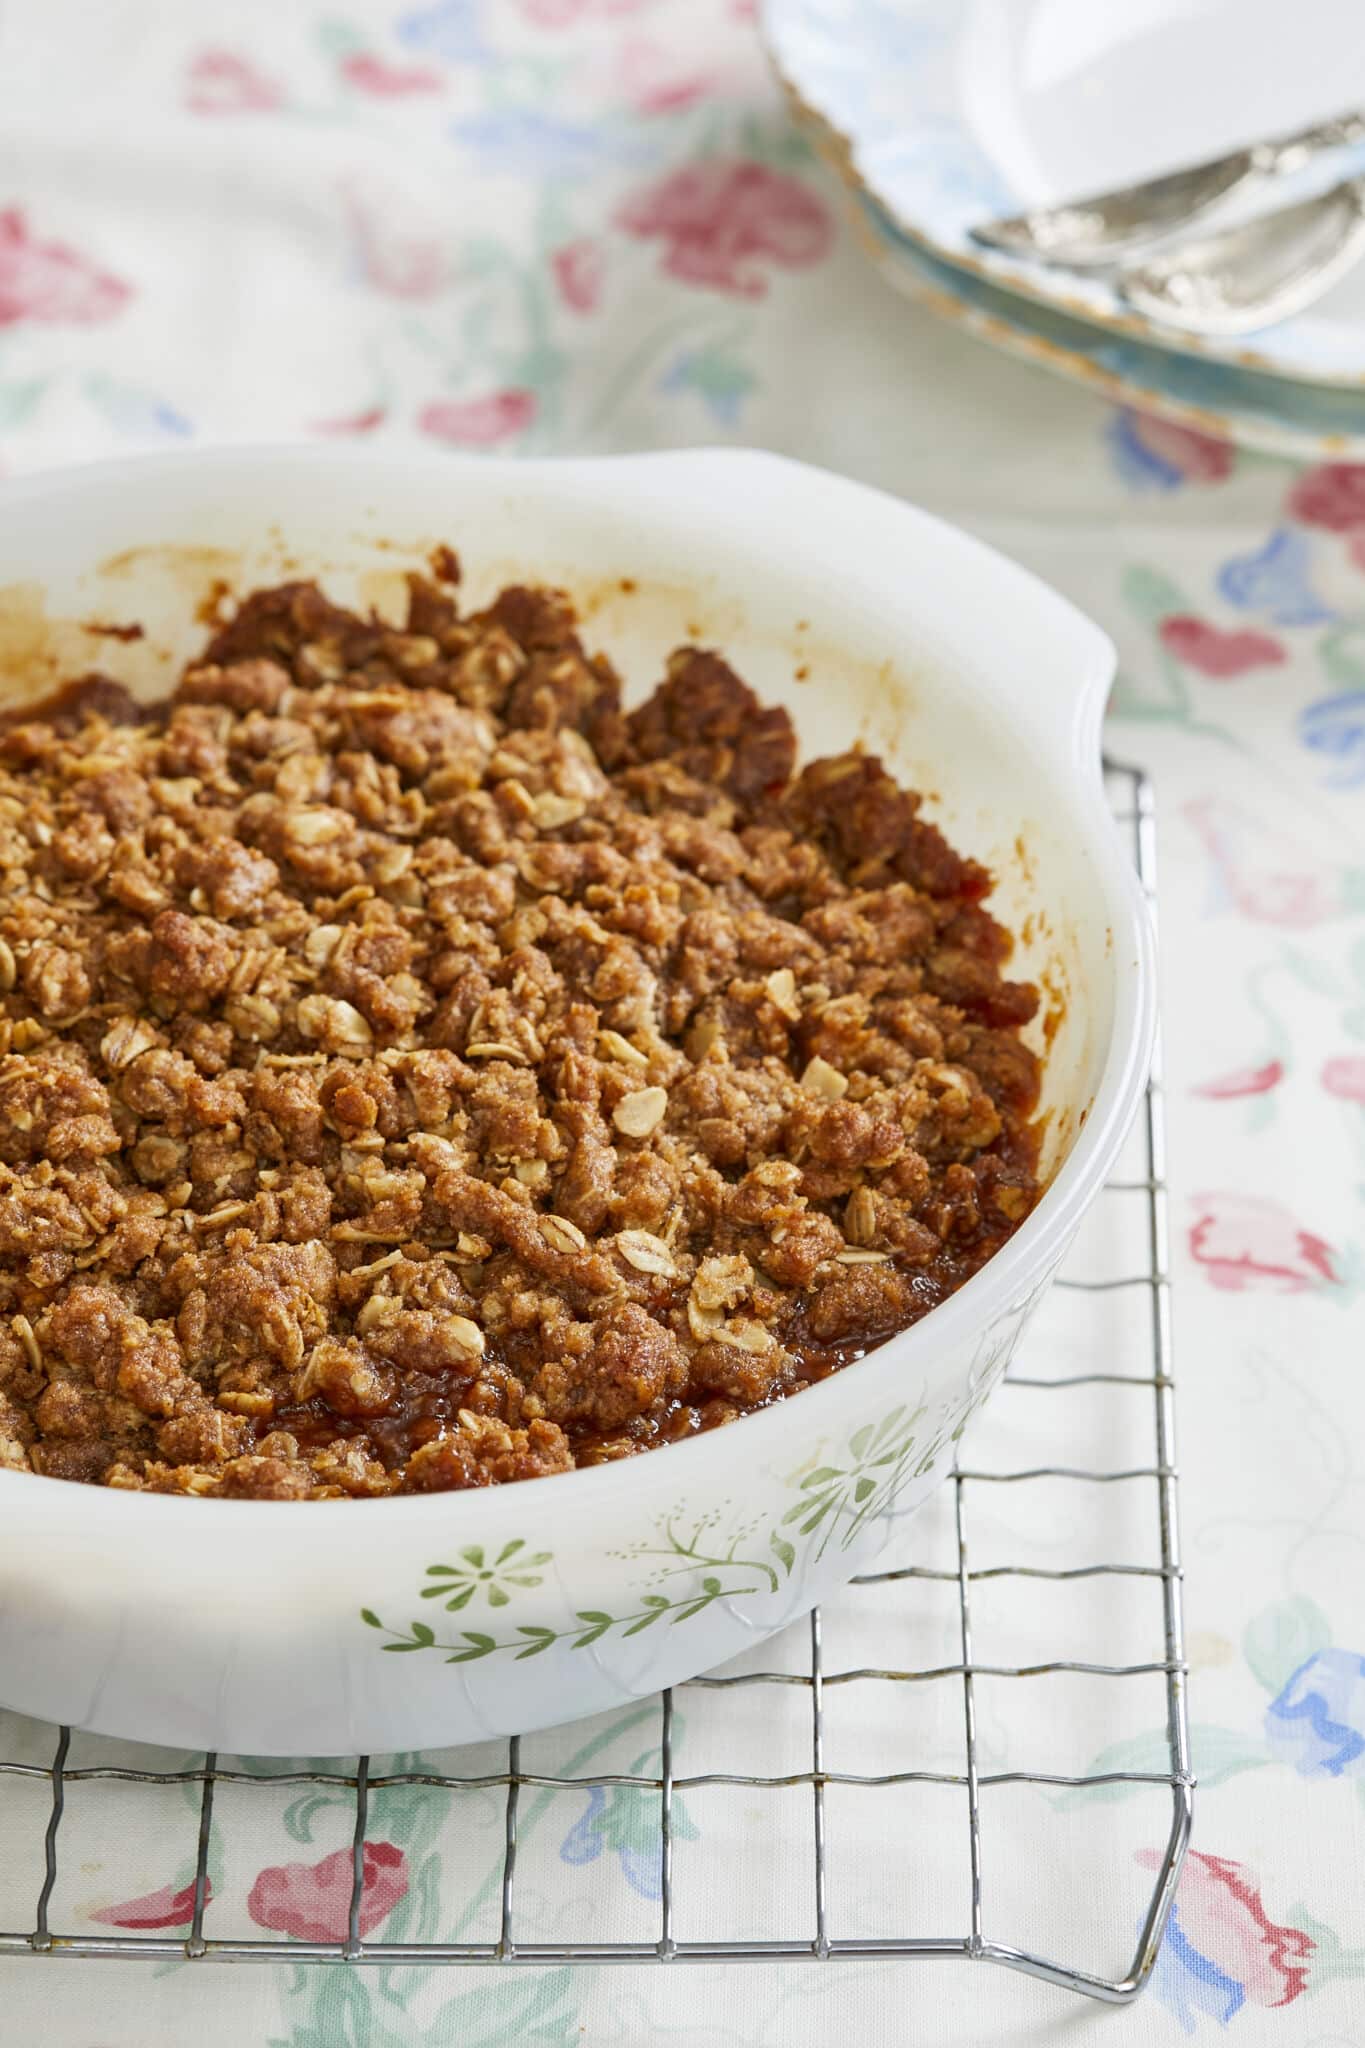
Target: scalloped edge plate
x,y
1244,406
882,80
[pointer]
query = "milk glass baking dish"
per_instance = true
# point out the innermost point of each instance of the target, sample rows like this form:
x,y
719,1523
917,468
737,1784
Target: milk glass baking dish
x,y
286,1628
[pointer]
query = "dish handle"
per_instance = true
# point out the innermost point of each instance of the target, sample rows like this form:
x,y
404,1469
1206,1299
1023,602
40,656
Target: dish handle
x,y
1073,691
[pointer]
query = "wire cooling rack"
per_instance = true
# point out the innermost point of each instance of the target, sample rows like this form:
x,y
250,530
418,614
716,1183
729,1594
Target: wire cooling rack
x,y
807,1704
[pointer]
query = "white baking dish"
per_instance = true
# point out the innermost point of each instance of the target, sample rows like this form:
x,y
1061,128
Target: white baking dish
x,y
287,1628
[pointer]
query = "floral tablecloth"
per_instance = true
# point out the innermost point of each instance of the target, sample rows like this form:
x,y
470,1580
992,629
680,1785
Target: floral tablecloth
x,y
543,225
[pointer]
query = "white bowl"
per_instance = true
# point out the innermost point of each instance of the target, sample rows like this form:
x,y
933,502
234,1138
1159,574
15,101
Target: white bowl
x,y
283,1628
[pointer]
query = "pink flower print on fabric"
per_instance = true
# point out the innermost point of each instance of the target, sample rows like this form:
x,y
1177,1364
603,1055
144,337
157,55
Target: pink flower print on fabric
x,y
579,269
1344,1076
1249,1241
1268,876
220,82
352,423
1153,454
1222,1950
165,1907
653,79
567,13
370,74
401,253
50,283
1216,653
1243,1081
312,1901
1331,496
723,220
478,422
1199,458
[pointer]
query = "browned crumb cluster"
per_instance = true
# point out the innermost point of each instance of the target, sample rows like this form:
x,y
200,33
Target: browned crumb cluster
x,y
419,1073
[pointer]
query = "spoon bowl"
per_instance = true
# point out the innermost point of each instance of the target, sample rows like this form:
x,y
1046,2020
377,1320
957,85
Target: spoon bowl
x,y
1250,276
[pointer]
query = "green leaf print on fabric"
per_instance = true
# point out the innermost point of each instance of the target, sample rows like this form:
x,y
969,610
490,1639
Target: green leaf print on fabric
x,y
1313,974
19,399
717,375
351,2009
1164,693
385,2008
1277,1643
1217,1753
1332,1959
1342,654
1282,1638
1158,689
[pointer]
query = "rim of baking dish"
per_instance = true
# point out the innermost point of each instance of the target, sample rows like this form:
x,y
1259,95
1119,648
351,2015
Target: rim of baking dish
x,y
1023,1261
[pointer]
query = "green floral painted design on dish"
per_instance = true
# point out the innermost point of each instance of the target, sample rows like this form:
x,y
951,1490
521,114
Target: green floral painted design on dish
x,y
723,1575
514,1565
841,1497
685,1570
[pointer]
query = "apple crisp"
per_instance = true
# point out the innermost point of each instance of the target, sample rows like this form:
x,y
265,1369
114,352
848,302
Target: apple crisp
x,y
418,1072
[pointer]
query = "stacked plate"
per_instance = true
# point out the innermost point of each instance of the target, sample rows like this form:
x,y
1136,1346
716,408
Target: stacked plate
x,y
943,116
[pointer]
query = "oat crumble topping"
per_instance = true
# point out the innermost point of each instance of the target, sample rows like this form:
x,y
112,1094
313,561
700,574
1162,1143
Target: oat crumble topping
x,y
418,1073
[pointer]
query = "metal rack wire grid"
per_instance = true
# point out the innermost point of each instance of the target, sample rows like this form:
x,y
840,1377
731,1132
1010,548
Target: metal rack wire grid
x,y
795,1698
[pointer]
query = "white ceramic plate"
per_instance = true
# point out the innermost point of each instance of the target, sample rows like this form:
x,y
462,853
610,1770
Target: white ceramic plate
x,y
271,1627
953,112
1306,421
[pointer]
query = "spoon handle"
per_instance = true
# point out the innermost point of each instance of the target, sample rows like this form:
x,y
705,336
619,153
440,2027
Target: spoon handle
x,y
1291,152
1108,226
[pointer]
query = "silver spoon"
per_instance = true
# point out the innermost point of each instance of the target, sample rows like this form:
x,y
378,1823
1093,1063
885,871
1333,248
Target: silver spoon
x,y
1253,275
1113,224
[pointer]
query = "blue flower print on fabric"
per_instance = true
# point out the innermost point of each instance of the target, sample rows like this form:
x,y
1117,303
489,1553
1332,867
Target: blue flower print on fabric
x,y
624,1819
1190,1984
1274,582
1335,728
1317,1723
519,142
452,31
